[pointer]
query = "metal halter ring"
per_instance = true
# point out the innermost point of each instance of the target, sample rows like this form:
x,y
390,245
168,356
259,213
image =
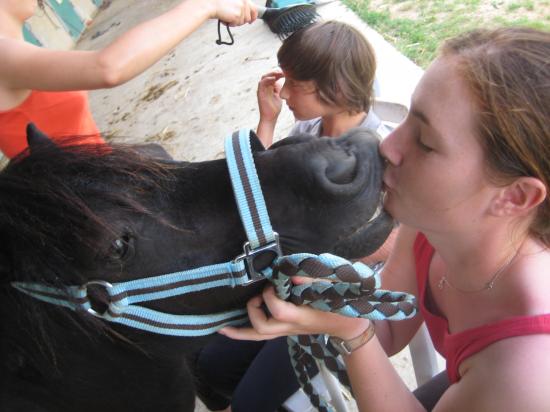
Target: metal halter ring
x,y
249,255
84,288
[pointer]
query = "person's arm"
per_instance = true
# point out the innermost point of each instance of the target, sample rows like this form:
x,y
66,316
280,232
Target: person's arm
x,y
376,384
269,105
25,66
399,274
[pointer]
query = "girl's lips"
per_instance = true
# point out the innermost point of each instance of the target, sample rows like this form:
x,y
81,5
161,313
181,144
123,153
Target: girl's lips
x,y
387,180
385,184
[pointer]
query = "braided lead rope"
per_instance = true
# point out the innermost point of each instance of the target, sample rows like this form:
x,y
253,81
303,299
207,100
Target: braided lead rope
x,y
312,347
318,347
348,289
299,359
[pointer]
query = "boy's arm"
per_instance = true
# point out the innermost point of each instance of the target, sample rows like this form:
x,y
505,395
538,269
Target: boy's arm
x,y
269,105
265,132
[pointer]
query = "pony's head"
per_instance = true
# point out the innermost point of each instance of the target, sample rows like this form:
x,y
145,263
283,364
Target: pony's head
x,y
74,213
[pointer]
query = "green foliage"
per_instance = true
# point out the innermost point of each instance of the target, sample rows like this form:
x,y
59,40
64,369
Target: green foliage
x,y
418,27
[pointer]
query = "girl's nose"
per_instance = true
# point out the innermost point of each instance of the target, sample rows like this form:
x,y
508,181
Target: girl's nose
x,y
389,149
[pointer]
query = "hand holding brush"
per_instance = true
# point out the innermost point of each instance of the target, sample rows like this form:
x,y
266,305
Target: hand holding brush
x,y
282,21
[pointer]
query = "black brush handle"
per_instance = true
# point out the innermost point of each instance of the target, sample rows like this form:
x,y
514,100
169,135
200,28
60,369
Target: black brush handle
x,y
266,12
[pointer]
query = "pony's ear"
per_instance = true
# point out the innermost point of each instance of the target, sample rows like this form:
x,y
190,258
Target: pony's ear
x,y
36,138
154,150
255,143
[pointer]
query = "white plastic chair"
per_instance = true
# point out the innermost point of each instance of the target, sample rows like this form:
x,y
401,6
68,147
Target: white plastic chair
x,y
426,361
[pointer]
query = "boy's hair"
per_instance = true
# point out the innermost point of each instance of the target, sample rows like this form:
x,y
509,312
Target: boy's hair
x,y
338,58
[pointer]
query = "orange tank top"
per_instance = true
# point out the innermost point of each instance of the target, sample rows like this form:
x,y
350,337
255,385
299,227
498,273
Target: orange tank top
x,y
58,114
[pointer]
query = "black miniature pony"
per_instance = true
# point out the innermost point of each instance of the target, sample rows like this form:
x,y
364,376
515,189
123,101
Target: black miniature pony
x,y
74,213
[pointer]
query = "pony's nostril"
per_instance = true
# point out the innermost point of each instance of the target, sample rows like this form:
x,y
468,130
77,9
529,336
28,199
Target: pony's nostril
x,y
342,171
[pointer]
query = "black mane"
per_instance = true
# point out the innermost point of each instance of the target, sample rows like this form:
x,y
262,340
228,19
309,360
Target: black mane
x,y
54,186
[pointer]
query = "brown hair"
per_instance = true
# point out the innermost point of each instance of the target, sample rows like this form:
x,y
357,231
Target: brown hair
x,y
338,58
508,72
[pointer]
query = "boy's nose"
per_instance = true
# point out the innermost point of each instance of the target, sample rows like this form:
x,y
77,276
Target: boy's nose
x,y
284,91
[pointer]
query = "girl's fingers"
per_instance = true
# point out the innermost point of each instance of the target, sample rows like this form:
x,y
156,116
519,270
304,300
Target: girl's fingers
x,y
263,326
286,317
244,334
302,280
245,14
253,13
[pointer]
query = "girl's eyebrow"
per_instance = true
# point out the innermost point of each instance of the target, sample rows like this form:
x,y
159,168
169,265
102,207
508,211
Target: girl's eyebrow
x,y
417,113
424,119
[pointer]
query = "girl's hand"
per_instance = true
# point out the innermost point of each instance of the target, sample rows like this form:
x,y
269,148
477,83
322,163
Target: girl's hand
x,y
289,319
269,99
234,12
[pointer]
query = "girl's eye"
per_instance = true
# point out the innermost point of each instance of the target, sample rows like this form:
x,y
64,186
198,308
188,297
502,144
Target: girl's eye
x,y
423,146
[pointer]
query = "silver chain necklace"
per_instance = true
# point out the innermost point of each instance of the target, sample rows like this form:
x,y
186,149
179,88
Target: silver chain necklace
x,y
488,285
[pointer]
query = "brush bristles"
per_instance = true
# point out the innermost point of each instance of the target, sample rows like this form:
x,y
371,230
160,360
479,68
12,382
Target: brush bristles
x,y
286,21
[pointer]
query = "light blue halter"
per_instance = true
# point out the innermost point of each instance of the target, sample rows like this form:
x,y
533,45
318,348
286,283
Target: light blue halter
x,y
238,272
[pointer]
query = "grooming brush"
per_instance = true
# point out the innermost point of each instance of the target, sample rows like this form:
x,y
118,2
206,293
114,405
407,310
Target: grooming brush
x,y
282,21
286,20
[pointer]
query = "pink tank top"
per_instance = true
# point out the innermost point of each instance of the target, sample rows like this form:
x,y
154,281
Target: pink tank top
x,y
459,346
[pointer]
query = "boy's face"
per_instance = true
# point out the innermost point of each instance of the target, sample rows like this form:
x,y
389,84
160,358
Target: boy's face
x,y
302,99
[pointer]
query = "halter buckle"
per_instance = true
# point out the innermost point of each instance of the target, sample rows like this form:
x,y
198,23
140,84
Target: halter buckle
x,y
250,255
84,288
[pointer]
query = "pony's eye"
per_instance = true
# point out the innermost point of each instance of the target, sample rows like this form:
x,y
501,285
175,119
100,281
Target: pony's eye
x,y
120,248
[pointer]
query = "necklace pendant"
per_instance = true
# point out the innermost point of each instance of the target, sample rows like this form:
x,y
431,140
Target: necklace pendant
x,y
441,283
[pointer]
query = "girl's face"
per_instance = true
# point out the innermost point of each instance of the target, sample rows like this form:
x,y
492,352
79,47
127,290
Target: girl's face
x,y
303,100
435,177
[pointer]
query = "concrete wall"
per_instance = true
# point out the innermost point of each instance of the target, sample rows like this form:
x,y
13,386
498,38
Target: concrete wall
x,y
61,22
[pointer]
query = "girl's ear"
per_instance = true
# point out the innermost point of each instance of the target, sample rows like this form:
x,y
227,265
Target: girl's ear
x,y
520,197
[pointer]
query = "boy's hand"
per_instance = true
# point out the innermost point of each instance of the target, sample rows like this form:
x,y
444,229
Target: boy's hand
x,y
269,100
